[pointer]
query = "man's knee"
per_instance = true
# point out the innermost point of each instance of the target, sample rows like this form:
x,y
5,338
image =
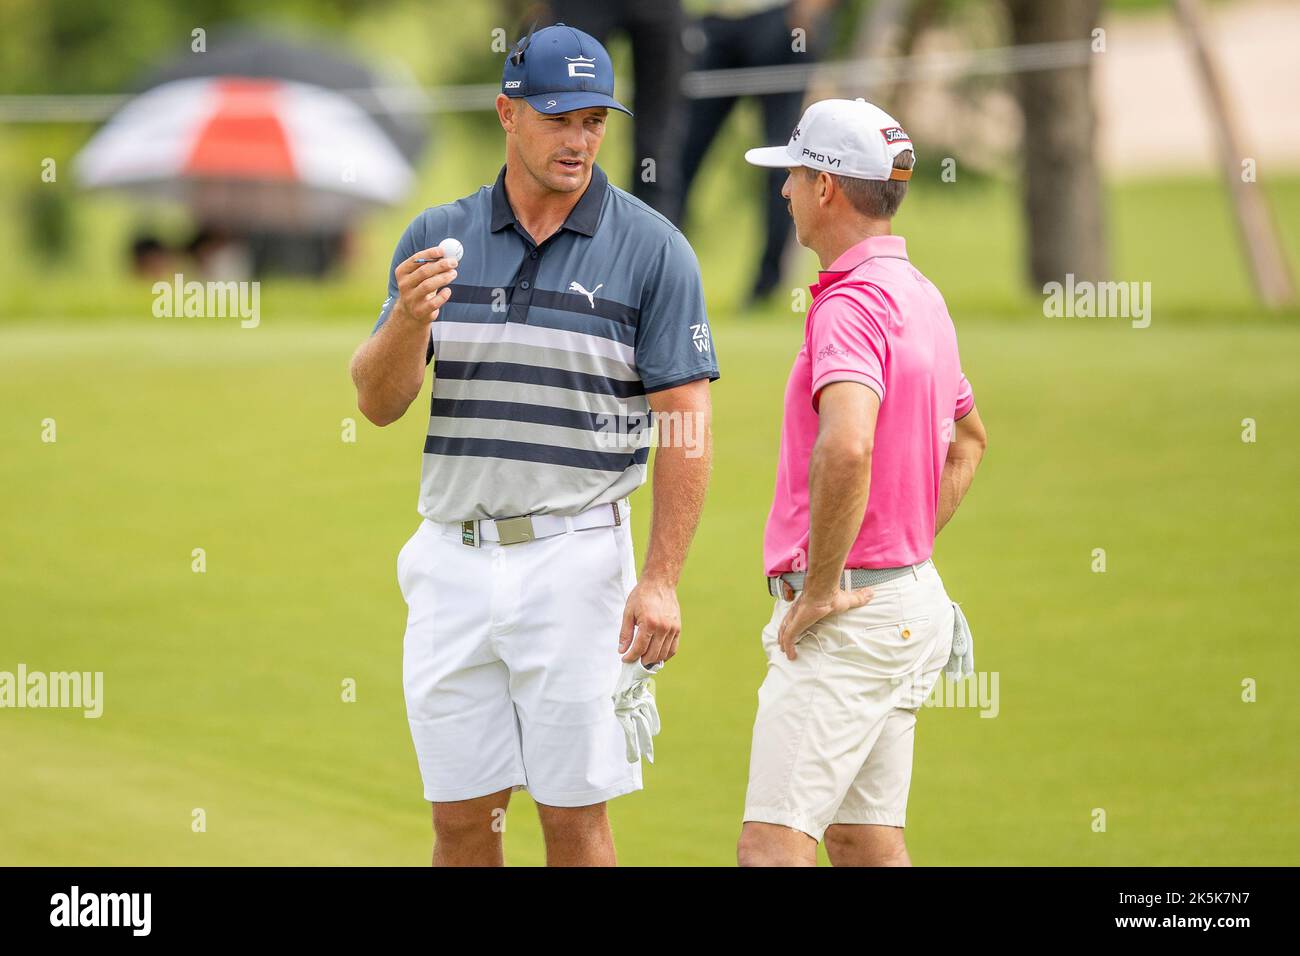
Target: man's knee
x,y
766,844
866,845
573,821
839,839
470,821
577,836
751,849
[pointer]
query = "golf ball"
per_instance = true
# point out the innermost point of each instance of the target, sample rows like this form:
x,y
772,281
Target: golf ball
x,y
451,248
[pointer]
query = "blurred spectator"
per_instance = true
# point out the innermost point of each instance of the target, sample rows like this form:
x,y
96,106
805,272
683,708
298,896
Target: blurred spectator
x,y
218,255
312,253
731,34
654,28
151,258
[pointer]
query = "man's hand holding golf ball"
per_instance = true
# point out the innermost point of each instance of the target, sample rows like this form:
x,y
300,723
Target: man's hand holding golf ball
x,y
393,361
424,281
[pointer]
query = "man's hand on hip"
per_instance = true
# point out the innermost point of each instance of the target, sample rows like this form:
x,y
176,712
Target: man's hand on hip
x,y
652,624
807,610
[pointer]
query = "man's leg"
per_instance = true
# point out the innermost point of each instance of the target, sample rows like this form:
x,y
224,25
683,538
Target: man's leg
x,y
867,829
468,832
705,116
766,844
595,17
866,844
457,693
562,650
793,788
772,45
658,63
577,836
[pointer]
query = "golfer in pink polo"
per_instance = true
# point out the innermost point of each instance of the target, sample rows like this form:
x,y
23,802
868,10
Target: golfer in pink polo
x,y
879,442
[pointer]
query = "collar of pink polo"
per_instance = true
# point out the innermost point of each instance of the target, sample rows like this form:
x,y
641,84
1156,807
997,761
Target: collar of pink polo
x,y
873,247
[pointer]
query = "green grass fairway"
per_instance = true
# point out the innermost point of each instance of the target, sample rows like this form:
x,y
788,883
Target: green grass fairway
x,y
1120,691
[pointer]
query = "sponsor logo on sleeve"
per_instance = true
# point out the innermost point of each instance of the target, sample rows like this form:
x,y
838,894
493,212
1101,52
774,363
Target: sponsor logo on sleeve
x,y
700,337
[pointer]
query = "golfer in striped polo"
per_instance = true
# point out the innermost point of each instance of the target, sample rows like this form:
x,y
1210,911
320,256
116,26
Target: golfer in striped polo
x,y
574,311
879,442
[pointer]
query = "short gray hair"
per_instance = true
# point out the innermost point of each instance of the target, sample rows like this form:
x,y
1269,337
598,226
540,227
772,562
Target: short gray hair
x,y
874,198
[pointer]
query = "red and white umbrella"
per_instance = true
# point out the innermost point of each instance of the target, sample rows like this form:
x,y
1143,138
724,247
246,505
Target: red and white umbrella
x,y
242,151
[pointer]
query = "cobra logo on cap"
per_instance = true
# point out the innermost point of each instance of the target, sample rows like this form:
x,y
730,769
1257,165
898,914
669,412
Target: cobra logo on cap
x,y
582,66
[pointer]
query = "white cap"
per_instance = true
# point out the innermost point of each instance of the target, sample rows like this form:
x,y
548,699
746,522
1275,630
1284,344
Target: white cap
x,y
846,137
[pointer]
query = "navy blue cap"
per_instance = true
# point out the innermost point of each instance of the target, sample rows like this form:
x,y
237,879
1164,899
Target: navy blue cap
x,y
558,69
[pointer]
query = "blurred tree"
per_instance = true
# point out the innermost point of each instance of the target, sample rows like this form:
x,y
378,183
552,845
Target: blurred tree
x,y
49,222
69,46
1061,183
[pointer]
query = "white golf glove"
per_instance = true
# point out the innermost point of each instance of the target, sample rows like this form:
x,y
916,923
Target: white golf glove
x,y
961,662
634,706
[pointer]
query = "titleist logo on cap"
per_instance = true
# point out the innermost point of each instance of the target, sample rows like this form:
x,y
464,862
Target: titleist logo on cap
x,y
894,134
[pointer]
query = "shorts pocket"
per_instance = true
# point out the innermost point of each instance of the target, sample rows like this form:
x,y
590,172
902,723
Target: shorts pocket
x,y
622,535
404,559
886,650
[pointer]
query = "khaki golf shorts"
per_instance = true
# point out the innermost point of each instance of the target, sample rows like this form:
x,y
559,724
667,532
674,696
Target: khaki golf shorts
x,y
834,731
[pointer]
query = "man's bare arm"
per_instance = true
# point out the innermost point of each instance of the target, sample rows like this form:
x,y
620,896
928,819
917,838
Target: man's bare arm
x,y
681,477
388,368
964,454
839,481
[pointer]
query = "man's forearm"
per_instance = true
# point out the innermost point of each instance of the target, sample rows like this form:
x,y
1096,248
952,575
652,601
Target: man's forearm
x,y
388,369
964,456
958,473
839,482
681,478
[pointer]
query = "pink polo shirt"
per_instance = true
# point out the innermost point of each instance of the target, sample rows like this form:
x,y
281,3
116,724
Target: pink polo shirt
x,y
876,320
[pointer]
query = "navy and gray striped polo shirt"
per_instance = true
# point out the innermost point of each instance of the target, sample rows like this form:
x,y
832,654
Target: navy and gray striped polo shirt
x,y
544,355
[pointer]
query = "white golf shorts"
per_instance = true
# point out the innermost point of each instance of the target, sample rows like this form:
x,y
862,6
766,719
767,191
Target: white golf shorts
x,y
510,660
834,731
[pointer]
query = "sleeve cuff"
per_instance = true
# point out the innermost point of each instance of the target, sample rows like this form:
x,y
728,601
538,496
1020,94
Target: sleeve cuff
x,y
658,386
829,378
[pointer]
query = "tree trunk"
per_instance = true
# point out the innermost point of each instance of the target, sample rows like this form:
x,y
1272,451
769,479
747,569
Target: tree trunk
x,y
1060,180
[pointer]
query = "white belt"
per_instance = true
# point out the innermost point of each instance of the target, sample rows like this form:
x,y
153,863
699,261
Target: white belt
x,y
530,527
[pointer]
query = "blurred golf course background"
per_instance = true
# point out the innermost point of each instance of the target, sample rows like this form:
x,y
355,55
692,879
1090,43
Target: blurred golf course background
x,y
1120,691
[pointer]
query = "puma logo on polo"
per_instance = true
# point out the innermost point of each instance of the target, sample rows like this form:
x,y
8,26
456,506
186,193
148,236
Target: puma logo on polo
x,y
591,296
